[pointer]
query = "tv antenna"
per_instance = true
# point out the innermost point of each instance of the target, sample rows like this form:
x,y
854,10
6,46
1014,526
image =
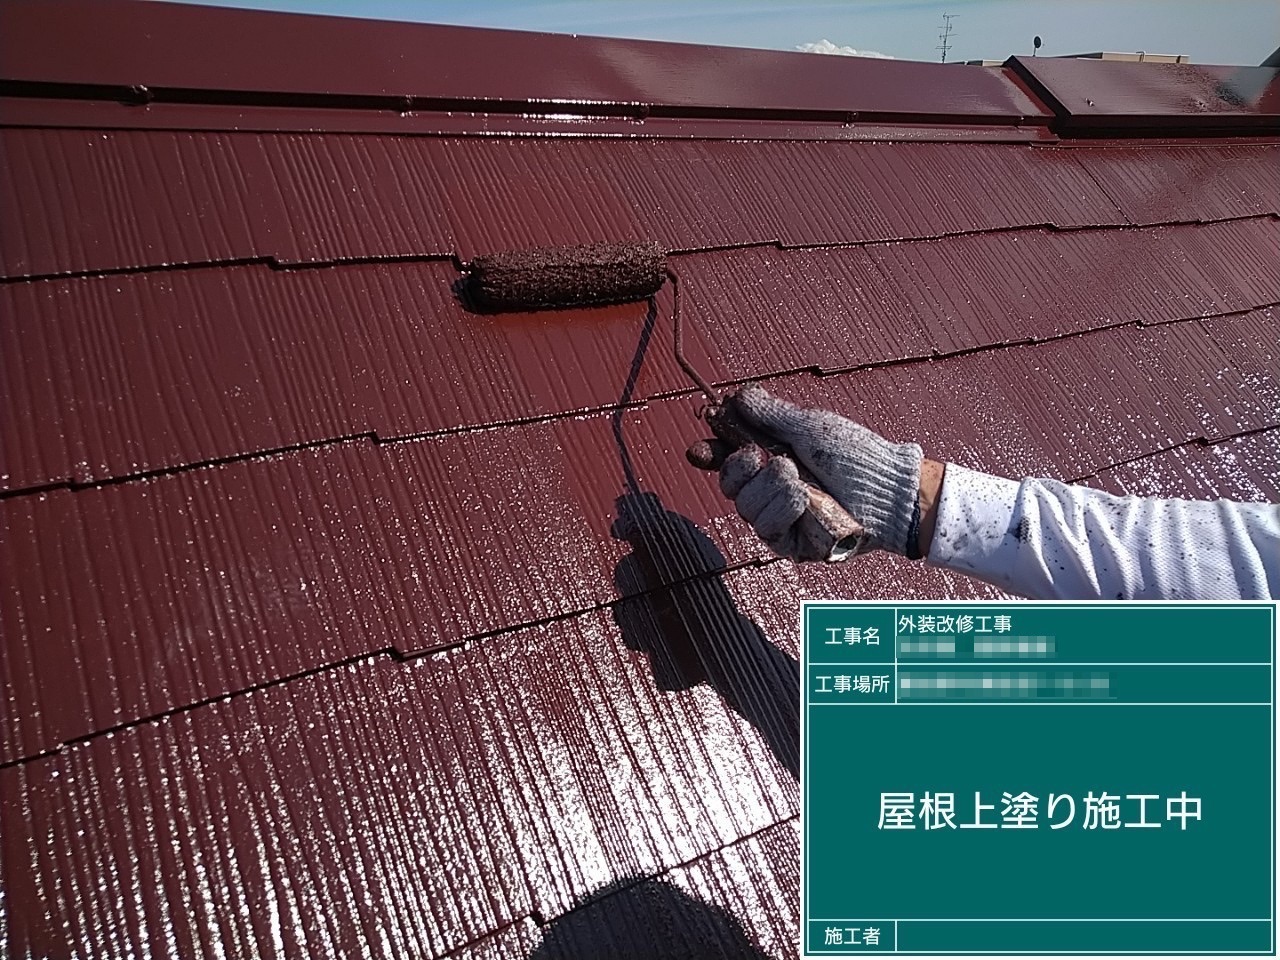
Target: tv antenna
x,y
946,34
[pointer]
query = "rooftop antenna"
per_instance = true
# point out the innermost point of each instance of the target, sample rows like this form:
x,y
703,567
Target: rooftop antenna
x,y
1035,45
945,35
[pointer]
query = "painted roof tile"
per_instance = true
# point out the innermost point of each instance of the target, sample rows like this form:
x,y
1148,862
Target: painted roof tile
x,y
152,198
115,376
413,784
142,583
118,375
739,902
190,586
1244,468
1204,182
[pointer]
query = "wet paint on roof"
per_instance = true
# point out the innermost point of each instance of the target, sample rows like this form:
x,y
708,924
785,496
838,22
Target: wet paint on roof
x,y
347,549
117,376
141,199
338,619
1242,468
1201,183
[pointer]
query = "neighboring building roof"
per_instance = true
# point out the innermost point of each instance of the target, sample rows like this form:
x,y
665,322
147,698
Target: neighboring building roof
x,y
338,620
1138,56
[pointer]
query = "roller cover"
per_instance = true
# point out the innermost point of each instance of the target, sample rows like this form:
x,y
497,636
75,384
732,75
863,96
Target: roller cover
x,y
566,276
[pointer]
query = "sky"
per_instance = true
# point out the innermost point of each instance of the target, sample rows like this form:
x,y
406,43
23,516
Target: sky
x,y
1208,31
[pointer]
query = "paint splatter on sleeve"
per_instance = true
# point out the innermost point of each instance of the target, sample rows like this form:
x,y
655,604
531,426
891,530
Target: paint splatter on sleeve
x,y
1048,540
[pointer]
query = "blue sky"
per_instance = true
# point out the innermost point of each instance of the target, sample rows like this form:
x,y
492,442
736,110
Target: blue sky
x,y
1209,31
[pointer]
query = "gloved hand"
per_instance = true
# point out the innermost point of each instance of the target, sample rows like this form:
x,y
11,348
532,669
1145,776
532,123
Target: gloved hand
x,y
875,480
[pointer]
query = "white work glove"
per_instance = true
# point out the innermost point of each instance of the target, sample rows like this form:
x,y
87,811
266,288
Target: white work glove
x,y
875,480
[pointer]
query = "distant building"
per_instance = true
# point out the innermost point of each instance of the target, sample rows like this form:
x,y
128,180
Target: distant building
x,y
1140,56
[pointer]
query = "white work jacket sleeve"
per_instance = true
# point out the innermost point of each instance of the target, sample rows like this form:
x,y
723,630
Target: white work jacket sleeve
x,y
1048,540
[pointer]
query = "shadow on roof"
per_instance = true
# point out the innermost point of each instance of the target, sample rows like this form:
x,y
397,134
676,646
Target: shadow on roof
x,y
693,632
650,919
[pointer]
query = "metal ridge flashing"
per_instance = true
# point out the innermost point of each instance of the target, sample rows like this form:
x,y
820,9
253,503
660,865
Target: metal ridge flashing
x,y
573,111
32,112
1099,98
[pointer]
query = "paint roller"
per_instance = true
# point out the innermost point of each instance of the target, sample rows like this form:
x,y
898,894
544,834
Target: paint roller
x,y
548,278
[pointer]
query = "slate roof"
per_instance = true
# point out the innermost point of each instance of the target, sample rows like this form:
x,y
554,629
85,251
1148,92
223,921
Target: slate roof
x,y
338,620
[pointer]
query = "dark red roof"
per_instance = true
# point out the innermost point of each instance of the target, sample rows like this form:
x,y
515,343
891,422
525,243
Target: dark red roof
x,y
361,62
339,619
1117,95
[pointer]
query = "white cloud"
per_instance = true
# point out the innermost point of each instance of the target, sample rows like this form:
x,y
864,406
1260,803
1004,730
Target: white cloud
x,y
826,46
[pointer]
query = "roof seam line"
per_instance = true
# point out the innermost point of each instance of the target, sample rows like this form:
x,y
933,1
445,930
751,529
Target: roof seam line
x,y
453,951
1019,228
541,920
76,486
638,881
748,564
391,653
1197,442
1029,342
285,266
83,738
269,260
661,396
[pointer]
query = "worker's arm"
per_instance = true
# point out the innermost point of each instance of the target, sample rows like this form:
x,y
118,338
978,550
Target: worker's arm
x,y
1038,538
1056,541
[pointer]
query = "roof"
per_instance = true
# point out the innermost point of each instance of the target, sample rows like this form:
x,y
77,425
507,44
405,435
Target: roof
x,y
1118,97
1139,56
333,622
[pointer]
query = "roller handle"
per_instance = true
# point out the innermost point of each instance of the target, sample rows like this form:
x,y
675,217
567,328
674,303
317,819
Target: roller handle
x,y
826,530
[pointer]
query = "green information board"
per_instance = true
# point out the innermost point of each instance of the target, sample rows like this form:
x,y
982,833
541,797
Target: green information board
x,y
1038,778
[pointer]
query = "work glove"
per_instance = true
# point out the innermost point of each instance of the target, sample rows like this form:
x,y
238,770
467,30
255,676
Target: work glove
x,y
875,480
